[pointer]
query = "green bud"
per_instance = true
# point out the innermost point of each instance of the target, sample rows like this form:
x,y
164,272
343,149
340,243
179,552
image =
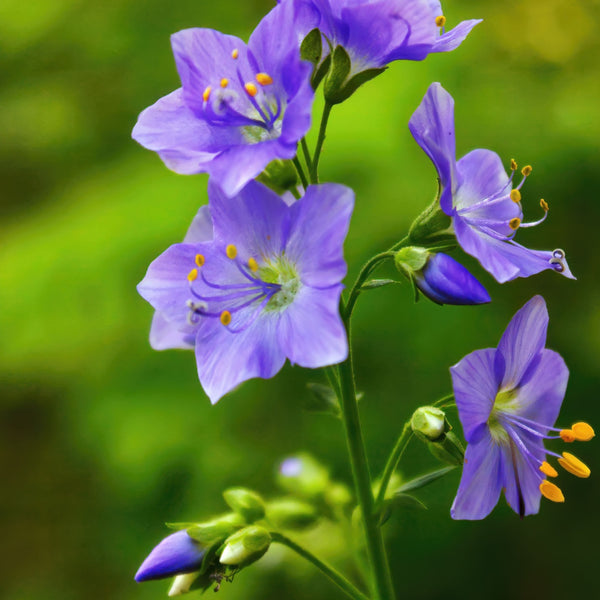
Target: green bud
x,y
303,476
246,503
448,449
429,423
245,546
411,259
338,495
217,529
433,225
182,584
289,513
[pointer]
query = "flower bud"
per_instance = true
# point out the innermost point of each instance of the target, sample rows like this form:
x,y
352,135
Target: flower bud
x,y
303,475
182,584
217,529
246,503
429,422
245,546
178,553
288,513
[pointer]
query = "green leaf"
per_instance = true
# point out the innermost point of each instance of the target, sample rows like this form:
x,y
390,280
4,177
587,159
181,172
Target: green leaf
x,y
322,399
423,480
180,526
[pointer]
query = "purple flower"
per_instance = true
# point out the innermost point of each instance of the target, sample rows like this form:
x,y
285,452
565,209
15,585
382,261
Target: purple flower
x,y
240,106
178,553
377,32
508,399
446,281
479,196
266,287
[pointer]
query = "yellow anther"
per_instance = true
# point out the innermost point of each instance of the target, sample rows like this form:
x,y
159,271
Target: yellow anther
x,y
193,275
515,195
526,171
514,223
206,94
583,432
231,251
513,164
551,491
440,21
547,469
251,89
225,317
574,465
264,79
200,260
235,54
567,435
224,82
253,265
544,205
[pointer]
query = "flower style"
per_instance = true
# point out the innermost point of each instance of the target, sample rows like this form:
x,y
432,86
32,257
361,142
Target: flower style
x,y
265,286
377,32
178,553
240,106
508,399
479,196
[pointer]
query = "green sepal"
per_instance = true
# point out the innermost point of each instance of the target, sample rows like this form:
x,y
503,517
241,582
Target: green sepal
x,y
322,399
246,503
373,284
216,529
399,501
411,259
432,226
289,513
320,72
448,450
337,75
180,526
245,546
422,481
311,47
356,82
280,176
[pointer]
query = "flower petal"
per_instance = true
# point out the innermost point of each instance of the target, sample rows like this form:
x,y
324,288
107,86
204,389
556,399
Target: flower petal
x,y
201,228
310,331
164,335
432,126
523,340
481,481
319,224
475,387
454,38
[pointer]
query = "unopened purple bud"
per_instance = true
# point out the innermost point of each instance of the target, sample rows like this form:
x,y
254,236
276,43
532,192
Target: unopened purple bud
x,y
176,554
446,281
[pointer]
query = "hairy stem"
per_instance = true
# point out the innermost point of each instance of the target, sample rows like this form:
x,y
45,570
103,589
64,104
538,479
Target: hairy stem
x,y
314,167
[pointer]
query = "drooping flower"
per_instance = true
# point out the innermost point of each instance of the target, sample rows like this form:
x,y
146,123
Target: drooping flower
x,y
177,554
479,196
266,287
240,106
377,32
508,399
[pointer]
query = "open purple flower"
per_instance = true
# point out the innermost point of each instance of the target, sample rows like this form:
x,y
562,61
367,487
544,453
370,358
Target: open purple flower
x,y
266,287
178,553
377,32
240,106
508,399
479,196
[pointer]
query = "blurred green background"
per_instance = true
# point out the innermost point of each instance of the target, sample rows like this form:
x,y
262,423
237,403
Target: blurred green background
x,y
102,439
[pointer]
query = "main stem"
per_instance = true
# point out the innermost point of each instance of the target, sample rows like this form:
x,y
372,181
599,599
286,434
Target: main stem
x,y
381,579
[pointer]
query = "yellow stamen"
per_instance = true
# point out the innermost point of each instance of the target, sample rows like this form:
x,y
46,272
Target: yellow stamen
x,y
231,251
567,435
526,171
200,260
235,54
574,465
515,195
251,89
440,21
551,491
514,223
206,94
513,164
264,79
225,317
253,265
193,275
224,82
583,432
547,469
544,205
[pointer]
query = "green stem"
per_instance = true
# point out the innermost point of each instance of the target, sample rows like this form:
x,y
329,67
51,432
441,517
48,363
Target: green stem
x,y
443,400
300,170
392,463
314,167
306,152
328,571
380,574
